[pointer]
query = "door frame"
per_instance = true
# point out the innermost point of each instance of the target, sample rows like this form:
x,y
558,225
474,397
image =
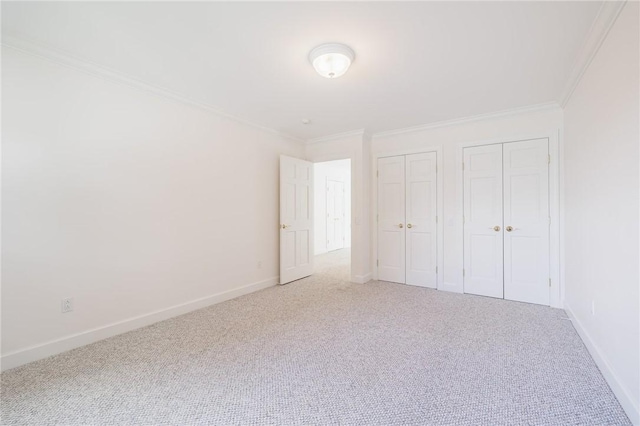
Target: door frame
x,y
439,209
556,289
335,157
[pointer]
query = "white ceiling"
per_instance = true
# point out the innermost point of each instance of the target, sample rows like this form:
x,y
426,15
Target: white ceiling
x,y
416,62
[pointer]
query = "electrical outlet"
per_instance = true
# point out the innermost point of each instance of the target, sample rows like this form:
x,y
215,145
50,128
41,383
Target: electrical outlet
x,y
67,305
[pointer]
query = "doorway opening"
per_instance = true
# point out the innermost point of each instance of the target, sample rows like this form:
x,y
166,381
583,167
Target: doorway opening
x,y
332,217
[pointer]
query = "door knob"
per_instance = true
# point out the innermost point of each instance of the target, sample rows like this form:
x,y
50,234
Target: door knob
x,y
509,228
285,226
496,228
409,225
400,226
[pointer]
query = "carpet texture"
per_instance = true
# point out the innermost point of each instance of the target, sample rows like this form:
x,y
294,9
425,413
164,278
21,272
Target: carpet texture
x,y
325,351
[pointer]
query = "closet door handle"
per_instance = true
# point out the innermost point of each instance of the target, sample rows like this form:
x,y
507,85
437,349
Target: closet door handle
x,y
400,226
409,225
496,228
509,228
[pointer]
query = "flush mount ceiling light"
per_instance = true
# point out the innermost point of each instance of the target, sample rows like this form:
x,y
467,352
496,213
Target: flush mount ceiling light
x,y
332,60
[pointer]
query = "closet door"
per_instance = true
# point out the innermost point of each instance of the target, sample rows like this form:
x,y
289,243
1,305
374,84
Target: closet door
x,y
483,240
526,220
391,231
420,210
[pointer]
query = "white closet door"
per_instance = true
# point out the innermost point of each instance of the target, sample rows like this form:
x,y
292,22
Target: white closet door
x,y
483,241
296,219
391,231
526,220
335,215
420,210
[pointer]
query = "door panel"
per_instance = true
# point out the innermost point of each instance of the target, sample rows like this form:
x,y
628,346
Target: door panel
x,y
288,256
296,219
391,215
421,228
483,233
526,210
484,249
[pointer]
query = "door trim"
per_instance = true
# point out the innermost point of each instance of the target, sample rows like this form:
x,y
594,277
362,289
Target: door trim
x,y
556,290
439,208
356,195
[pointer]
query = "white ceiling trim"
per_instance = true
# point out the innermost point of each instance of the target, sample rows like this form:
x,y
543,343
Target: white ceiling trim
x,y
479,117
64,59
335,136
607,15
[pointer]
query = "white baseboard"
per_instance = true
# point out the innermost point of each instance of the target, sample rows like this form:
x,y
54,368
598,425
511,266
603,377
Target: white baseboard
x,y
452,287
627,402
34,353
361,279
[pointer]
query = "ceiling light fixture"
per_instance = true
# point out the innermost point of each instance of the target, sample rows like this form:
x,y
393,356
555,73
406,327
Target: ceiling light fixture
x,y
331,60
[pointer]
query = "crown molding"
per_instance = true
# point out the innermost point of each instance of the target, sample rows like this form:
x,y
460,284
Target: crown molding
x,y
604,20
359,132
470,119
65,59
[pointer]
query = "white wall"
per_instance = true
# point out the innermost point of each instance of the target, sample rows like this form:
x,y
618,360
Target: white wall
x,y
539,123
602,209
126,201
337,170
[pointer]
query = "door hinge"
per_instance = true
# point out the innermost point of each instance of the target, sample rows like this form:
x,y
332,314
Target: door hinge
x,y
463,165
377,262
549,282
463,272
549,220
436,270
549,159
377,173
377,218
462,219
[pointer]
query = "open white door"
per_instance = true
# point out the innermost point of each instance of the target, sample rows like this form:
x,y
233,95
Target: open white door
x,y
296,219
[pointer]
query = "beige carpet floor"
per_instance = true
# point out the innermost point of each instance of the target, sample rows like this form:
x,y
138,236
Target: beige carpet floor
x,y
326,351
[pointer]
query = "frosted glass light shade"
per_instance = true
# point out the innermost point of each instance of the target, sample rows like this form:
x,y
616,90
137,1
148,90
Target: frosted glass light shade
x,y
331,60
